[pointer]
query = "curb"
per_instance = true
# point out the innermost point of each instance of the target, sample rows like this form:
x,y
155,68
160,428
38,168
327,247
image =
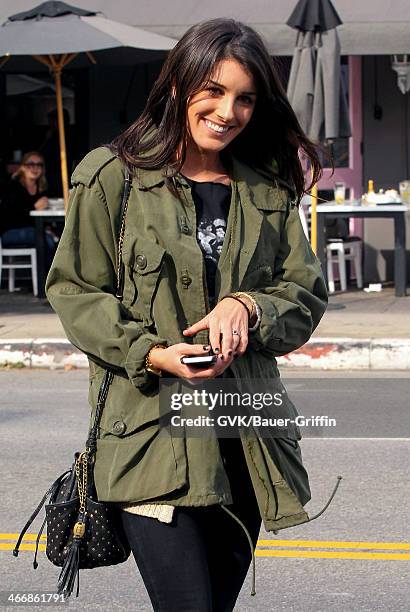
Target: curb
x,y
51,353
318,353
351,354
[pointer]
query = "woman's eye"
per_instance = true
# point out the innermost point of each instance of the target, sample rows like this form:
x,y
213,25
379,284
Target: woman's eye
x,y
214,90
217,91
246,99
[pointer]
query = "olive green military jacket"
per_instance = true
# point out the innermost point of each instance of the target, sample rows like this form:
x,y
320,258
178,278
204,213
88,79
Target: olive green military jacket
x,y
265,252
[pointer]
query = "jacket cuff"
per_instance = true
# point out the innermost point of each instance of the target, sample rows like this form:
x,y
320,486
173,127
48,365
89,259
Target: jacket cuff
x,y
266,332
135,362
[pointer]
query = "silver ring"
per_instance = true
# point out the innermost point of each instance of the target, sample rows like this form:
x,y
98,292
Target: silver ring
x,y
235,332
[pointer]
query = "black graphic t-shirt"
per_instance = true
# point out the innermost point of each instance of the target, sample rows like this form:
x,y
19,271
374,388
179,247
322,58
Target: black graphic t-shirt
x,y
212,202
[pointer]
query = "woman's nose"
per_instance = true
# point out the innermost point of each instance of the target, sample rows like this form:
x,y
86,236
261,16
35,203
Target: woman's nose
x,y
226,109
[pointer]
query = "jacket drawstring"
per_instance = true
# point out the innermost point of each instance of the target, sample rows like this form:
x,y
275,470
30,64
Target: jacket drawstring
x,y
329,501
253,591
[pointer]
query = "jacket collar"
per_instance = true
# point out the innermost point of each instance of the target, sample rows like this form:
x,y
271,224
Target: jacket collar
x,y
268,195
147,179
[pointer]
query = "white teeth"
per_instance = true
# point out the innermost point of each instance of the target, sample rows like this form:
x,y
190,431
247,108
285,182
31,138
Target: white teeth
x,y
216,128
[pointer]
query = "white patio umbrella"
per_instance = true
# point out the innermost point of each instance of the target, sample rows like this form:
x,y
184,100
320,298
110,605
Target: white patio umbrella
x,y
315,91
55,32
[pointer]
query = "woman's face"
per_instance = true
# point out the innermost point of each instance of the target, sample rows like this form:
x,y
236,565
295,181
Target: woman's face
x,y
33,168
222,109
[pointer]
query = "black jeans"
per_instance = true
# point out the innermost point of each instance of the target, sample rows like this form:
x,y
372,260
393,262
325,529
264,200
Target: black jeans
x,y
198,563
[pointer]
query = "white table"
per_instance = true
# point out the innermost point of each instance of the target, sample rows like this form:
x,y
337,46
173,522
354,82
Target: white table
x,y
41,217
397,212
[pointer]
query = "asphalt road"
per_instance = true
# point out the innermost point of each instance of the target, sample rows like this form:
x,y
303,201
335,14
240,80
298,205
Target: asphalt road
x,y
354,558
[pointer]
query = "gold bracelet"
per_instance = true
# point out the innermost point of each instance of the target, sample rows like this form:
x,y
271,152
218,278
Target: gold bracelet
x,y
256,310
242,294
149,366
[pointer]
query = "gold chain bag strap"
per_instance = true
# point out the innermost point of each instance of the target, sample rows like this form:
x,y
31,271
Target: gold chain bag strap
x,y
81,531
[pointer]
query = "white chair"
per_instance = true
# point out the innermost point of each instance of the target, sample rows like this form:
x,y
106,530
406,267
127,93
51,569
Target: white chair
x,y
11,253
338,251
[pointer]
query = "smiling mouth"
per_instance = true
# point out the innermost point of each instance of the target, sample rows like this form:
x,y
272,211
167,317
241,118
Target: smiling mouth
x,y
217,129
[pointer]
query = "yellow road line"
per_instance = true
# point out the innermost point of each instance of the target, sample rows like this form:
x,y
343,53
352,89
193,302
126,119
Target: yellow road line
x,y
298,554
27,536
276,543
336,544
274,548
10,546
327,554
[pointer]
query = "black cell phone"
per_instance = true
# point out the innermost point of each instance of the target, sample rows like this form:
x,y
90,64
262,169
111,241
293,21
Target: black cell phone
x,y
204,361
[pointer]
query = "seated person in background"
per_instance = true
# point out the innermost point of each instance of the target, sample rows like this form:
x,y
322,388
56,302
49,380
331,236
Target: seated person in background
x,y
25,191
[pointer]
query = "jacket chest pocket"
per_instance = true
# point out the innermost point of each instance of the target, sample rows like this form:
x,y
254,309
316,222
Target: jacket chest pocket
x,y
146,265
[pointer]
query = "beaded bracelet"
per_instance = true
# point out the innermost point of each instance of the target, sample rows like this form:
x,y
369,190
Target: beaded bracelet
x,y
149,366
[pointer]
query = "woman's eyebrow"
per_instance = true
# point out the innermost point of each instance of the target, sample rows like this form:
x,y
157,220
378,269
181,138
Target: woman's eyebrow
x,y
248,93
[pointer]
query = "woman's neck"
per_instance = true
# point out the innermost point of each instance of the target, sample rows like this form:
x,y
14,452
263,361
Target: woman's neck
x,y
201,166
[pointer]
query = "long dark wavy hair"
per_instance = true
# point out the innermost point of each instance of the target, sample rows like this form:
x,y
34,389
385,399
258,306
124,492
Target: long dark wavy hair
x,y
273,133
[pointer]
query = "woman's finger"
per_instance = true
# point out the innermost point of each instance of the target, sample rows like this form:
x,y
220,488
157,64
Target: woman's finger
x,y
215,336
229,341
243,343
196,327
237,333
193,349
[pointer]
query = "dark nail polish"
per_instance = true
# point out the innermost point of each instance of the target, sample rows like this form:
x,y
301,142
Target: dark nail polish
x,y
216,351
222,358
206,348
230,352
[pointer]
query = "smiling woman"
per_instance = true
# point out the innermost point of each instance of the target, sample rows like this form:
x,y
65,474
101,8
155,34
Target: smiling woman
x,y
213,257
216,115
231,81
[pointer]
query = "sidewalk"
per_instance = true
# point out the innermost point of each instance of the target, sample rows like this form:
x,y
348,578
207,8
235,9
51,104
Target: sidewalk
x,y
358,331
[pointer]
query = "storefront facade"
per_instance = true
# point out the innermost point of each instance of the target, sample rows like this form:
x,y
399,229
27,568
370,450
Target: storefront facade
x,y
107,97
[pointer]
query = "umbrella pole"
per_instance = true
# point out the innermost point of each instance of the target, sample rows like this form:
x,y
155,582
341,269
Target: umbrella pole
x,y
61,131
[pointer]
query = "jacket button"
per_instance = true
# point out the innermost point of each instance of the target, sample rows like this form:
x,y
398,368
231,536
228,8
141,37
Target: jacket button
x,y
186,280
119,427
141,262
185,229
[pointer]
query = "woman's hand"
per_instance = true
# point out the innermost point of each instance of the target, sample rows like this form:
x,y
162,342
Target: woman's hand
x,y
169,360
41,203
227,317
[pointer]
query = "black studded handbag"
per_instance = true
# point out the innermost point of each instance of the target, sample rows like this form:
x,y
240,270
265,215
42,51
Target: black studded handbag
x,y
82,532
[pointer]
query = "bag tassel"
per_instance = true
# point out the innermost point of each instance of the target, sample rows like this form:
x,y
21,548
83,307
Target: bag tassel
x,y
71,566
